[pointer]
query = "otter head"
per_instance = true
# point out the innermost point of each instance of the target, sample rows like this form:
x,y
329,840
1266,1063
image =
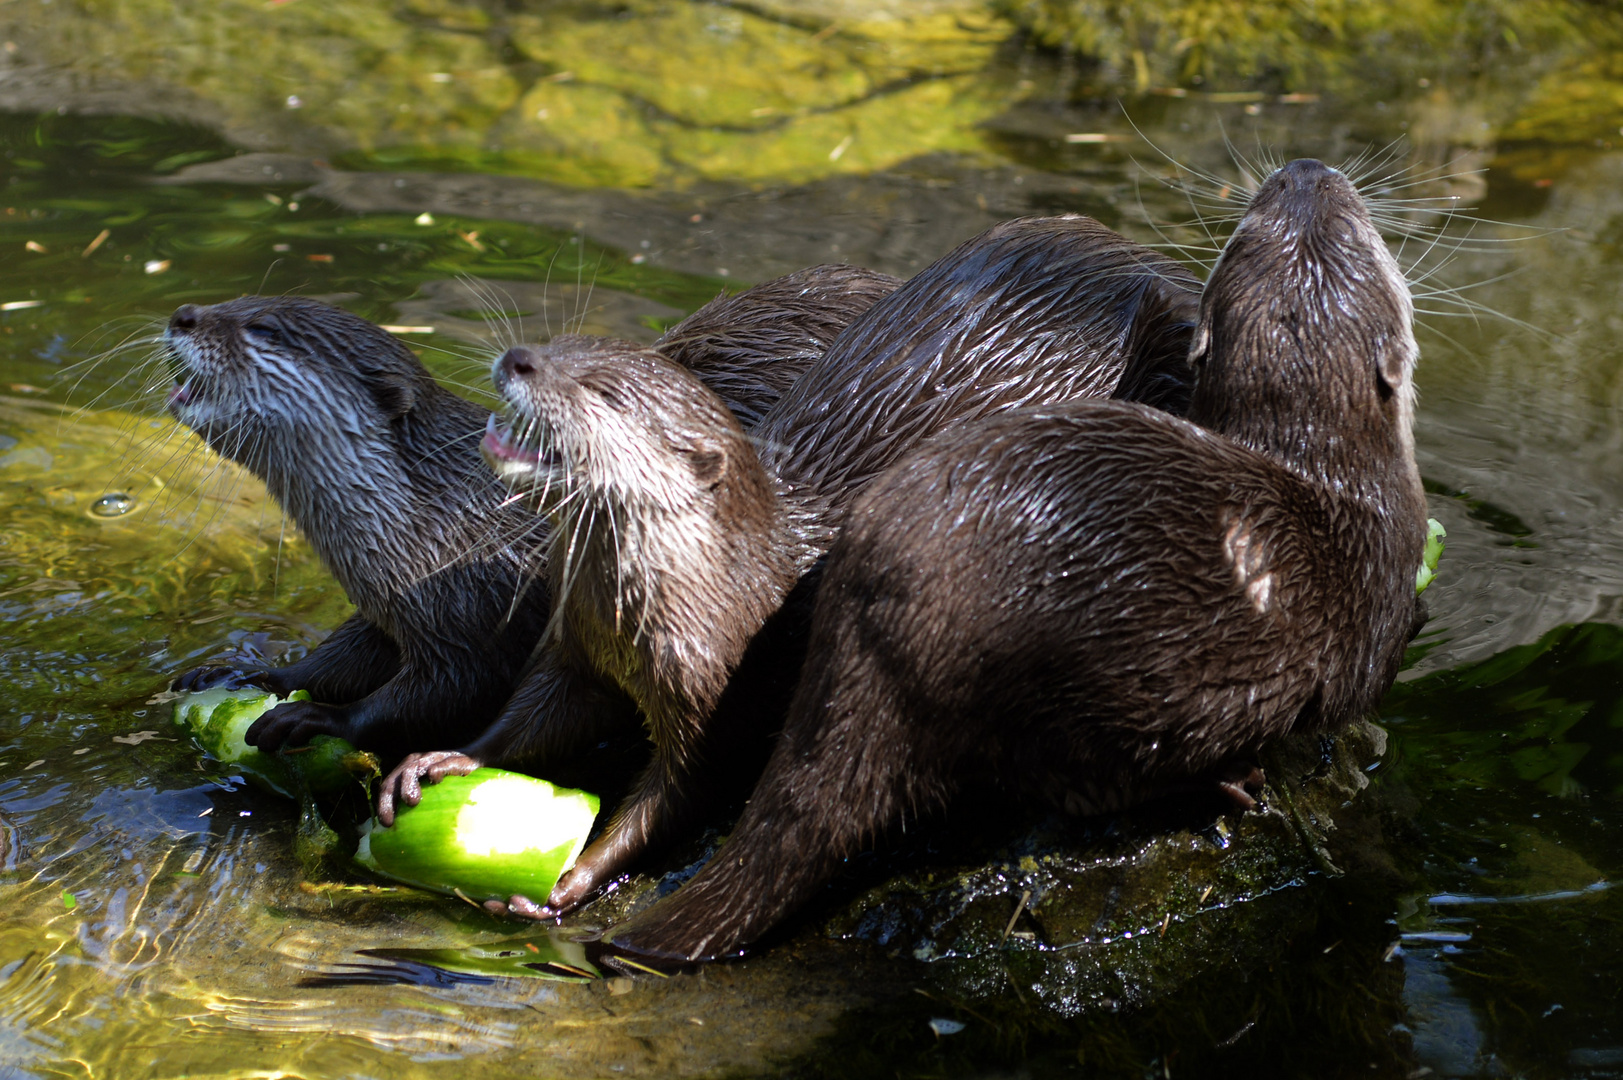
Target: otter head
x,y
290,388
1305,348
639,463
615,423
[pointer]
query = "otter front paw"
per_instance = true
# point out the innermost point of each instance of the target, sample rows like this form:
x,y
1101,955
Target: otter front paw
x,y
405,784
294,723
213,677
587,876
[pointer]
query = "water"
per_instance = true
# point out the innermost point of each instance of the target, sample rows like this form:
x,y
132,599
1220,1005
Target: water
x,y
152,918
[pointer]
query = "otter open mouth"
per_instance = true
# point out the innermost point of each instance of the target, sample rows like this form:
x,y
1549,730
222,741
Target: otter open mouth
x,y
515,460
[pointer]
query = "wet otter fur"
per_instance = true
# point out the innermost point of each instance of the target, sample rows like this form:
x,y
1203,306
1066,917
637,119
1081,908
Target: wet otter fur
x,y
789,321
684,539
1095,602
379,466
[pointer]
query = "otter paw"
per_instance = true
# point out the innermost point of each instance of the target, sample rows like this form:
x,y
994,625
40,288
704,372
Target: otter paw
x,y
224,678
1242,782
574,888
525,908
404,786
294,723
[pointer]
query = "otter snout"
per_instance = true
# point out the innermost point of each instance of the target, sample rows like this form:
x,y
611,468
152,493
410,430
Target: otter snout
x,y
519,362
1304,174
185,317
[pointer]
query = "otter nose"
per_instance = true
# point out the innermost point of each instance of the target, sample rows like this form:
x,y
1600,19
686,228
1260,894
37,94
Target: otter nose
x,y
185,317
516,362
1304,173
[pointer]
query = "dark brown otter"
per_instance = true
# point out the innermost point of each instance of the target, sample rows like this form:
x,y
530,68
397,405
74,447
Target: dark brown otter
x,y
687,541
1096,602
379,466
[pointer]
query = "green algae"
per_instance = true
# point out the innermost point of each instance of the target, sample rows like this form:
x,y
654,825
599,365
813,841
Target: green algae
x,y
624,95
1346,46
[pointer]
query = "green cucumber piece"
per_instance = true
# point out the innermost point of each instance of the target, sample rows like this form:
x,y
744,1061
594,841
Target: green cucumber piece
x,y
1428,560
218,719
485,836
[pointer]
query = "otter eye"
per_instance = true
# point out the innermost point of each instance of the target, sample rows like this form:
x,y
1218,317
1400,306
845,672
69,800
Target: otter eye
x,y
264,331
610,397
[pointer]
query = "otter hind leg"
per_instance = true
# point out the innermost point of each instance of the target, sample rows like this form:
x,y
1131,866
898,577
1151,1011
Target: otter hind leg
x,y
1242,782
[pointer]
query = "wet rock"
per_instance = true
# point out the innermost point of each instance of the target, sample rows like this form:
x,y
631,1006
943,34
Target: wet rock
x,y
1108,912
1129,908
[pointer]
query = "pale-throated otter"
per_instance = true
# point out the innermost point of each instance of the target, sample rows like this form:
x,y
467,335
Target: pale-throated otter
x,y
675,540
1097,602
379,467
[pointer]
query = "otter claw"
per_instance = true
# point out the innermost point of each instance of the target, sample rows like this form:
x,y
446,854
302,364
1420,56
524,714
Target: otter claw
x,y
404,786
525,908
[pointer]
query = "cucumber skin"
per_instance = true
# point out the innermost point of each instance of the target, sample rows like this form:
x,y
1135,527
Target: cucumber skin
x,y
217,721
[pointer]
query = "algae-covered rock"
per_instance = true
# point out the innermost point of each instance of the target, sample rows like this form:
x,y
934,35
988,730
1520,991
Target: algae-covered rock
x,y
1578,103
1131,908
346,72
790,93
624,95
1355,46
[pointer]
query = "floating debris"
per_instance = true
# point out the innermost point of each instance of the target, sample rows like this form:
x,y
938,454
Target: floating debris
x,y
425,218
36,247
19,305
156,266
139,737
942,1026
90,248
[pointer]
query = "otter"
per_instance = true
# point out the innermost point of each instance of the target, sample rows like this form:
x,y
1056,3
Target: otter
x,y
676,540
1097,602
750,347
379,467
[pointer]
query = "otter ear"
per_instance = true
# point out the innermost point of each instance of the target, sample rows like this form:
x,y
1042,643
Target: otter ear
x,y
1392,362
1200,345
705,455
394,393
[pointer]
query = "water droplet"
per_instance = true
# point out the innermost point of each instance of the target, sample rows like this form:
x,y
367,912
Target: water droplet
x,y
113,504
